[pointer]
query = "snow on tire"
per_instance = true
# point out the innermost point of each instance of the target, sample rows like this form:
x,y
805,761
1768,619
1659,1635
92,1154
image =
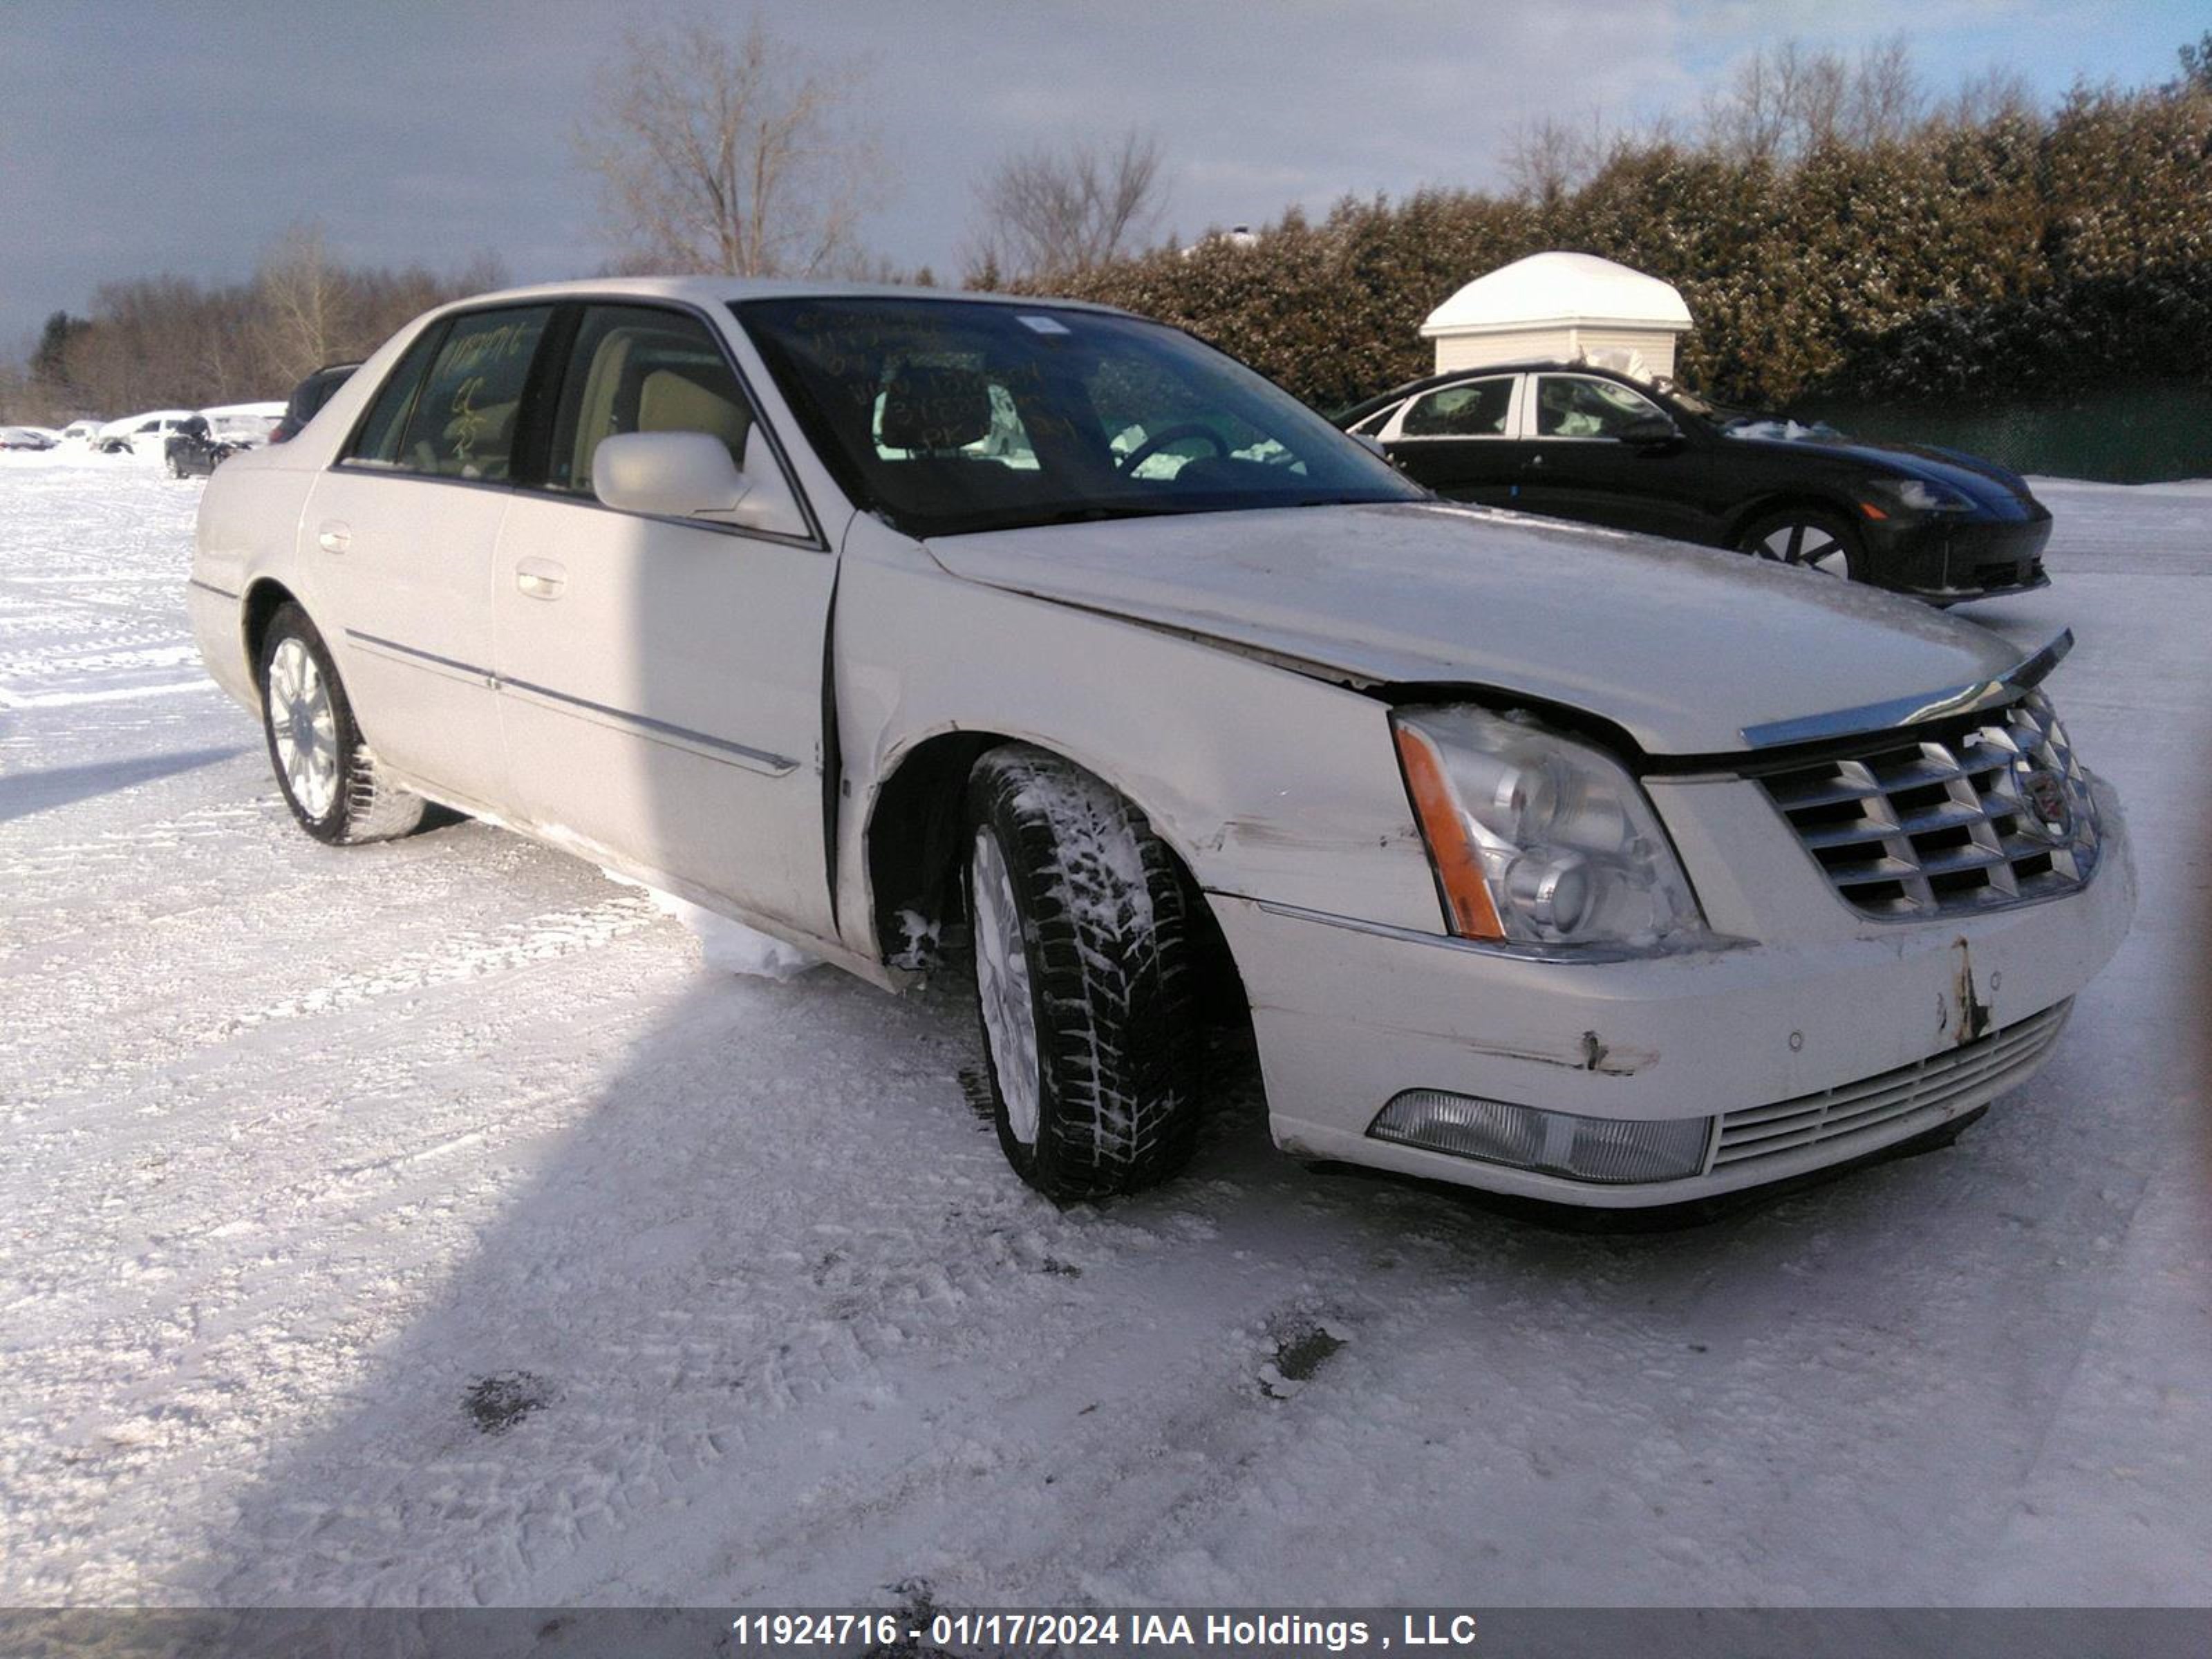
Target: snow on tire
x,y
1084,981
330,780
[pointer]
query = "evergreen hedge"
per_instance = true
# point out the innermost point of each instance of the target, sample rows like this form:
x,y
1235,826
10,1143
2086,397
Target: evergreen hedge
x,y
2021,254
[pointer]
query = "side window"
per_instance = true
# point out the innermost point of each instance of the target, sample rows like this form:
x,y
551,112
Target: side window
x,y
637,369
463,422
1574,406
1473,409
377,443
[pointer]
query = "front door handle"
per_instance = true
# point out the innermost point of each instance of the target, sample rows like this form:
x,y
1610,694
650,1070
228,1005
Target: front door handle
x,y
541,578
332,536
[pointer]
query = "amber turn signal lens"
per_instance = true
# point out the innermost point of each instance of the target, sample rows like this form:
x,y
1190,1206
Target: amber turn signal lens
x,y
1452,852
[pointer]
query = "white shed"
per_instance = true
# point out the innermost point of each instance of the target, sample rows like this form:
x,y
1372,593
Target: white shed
x,y
1567,305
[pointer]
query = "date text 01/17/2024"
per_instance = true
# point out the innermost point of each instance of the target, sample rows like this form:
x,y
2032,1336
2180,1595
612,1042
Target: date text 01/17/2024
x,y
1074,1630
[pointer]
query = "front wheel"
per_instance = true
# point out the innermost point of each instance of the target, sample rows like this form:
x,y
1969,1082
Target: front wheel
x,y
330,780
1083,978
1811,540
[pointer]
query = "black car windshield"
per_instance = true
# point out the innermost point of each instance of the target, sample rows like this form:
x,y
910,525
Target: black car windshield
x,y
945,416
1744,422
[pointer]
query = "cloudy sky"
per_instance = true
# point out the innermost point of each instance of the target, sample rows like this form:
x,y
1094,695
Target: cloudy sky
x,y
137,138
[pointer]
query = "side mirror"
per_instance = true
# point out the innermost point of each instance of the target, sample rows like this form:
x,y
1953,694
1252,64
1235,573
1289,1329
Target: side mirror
x,y
689,475
1649,432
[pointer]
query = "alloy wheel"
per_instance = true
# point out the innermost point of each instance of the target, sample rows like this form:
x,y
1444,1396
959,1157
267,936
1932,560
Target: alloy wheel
x,y
1002,986
303,726
1813,546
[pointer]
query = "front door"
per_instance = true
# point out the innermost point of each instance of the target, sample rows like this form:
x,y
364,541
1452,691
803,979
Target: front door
x,y
1577,466
660,679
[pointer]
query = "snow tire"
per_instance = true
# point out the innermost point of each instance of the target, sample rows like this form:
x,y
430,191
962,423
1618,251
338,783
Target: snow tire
x,y
356,800
1097,944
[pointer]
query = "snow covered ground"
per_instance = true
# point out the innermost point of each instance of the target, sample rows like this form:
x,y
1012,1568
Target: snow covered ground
x,y
429,1224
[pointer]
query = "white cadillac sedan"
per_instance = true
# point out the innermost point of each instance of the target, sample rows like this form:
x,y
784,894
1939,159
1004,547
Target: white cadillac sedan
x,y
1581,867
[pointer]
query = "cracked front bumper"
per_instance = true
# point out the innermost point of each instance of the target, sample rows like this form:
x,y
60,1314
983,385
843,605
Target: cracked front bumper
x,y
1929,1021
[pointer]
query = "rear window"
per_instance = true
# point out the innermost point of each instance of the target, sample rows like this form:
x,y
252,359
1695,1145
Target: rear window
x,y
457,420
1476,410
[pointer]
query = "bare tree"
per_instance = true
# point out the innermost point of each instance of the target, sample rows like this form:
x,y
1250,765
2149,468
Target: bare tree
x,y
303,303
734,156
1886,98
1786,101
1065,211
1548,161
1991,96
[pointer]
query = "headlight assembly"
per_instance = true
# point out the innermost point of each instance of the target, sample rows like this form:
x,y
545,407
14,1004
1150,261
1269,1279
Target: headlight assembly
x,y
1538,839
1919,495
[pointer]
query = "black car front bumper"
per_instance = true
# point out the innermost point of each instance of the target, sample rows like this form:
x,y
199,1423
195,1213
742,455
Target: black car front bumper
x,y
1951,563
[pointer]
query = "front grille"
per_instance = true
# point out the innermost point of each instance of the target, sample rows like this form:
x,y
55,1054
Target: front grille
x,y
1920,1089
1969,814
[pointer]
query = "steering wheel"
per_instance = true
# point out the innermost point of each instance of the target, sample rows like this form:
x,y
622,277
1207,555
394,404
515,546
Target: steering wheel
x,y
1170,434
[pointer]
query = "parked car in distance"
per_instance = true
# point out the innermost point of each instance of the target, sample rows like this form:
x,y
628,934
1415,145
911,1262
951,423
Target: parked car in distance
x,y
309,396
139,433
1576,442
872,616
245,425
26,437
195,448
81,431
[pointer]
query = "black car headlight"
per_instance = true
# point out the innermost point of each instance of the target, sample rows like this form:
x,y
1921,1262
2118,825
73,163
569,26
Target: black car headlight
x,y
1921,496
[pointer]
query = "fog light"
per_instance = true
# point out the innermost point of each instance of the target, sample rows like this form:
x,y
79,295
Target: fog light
x,y
1611,1149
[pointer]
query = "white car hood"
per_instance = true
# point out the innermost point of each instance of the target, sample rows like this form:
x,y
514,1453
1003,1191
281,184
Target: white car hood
x,y
1682,647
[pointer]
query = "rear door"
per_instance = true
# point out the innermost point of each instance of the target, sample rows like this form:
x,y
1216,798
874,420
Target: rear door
x,y
1577,466
399,537
661,678
1458,438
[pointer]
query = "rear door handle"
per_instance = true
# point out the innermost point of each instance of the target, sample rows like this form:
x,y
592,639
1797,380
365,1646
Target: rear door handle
x,y
333,537
541,578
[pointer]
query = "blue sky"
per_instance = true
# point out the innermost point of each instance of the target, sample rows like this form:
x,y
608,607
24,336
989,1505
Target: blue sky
x,y
144,137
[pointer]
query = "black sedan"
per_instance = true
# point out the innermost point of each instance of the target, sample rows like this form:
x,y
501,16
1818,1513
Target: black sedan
x,y
193,447
1580,443
308,397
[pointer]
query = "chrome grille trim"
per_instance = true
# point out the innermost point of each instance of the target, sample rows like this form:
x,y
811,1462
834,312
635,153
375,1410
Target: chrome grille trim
x,y
1936,822
1918,1091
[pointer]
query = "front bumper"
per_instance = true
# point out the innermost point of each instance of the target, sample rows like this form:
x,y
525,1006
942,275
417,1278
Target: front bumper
x,y
1949,562
1348,1016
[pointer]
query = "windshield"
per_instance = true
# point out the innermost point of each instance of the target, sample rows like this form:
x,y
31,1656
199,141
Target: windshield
x,y
944,416
1747,424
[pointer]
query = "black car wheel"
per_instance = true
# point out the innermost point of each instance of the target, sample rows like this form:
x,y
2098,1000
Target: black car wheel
x,y
1815,541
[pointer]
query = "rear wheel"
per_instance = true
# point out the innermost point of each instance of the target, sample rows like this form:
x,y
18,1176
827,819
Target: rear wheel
x,y
1083,978
330,781
1809,539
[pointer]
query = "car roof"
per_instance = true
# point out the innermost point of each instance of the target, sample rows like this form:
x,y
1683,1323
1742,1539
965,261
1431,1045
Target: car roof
x,y
711,291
